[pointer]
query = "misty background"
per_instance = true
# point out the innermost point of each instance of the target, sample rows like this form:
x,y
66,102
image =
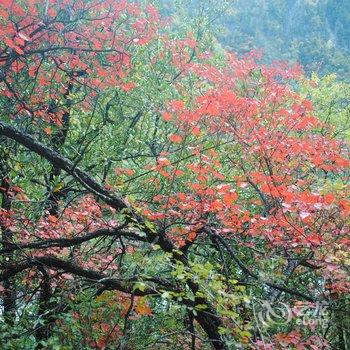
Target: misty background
x,y
315,33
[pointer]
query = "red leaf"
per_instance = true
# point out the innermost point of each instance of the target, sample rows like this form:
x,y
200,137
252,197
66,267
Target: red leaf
x,y
196,131
128,86
230,197
175,138
167,116
52,218
18,50
315,239
177,104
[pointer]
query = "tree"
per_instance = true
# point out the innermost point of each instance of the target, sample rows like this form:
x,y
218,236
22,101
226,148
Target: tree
x,y
150,184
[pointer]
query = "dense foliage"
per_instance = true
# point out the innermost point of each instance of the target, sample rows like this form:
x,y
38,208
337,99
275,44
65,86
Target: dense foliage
x,y
160,192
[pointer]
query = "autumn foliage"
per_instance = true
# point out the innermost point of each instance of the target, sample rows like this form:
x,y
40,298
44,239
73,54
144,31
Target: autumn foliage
x,y
145,177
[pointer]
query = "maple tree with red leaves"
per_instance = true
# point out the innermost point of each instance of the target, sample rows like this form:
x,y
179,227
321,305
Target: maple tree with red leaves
x,y
150,184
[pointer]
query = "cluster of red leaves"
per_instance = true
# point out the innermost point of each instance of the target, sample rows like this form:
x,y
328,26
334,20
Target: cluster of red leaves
x,y
78,219
87,44
293,340
280,156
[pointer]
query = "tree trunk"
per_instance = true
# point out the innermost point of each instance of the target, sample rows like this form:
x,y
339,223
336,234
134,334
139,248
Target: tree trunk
x,y
9,285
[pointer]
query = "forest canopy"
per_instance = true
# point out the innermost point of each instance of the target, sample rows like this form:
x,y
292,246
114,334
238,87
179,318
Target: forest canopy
x,y
159,190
